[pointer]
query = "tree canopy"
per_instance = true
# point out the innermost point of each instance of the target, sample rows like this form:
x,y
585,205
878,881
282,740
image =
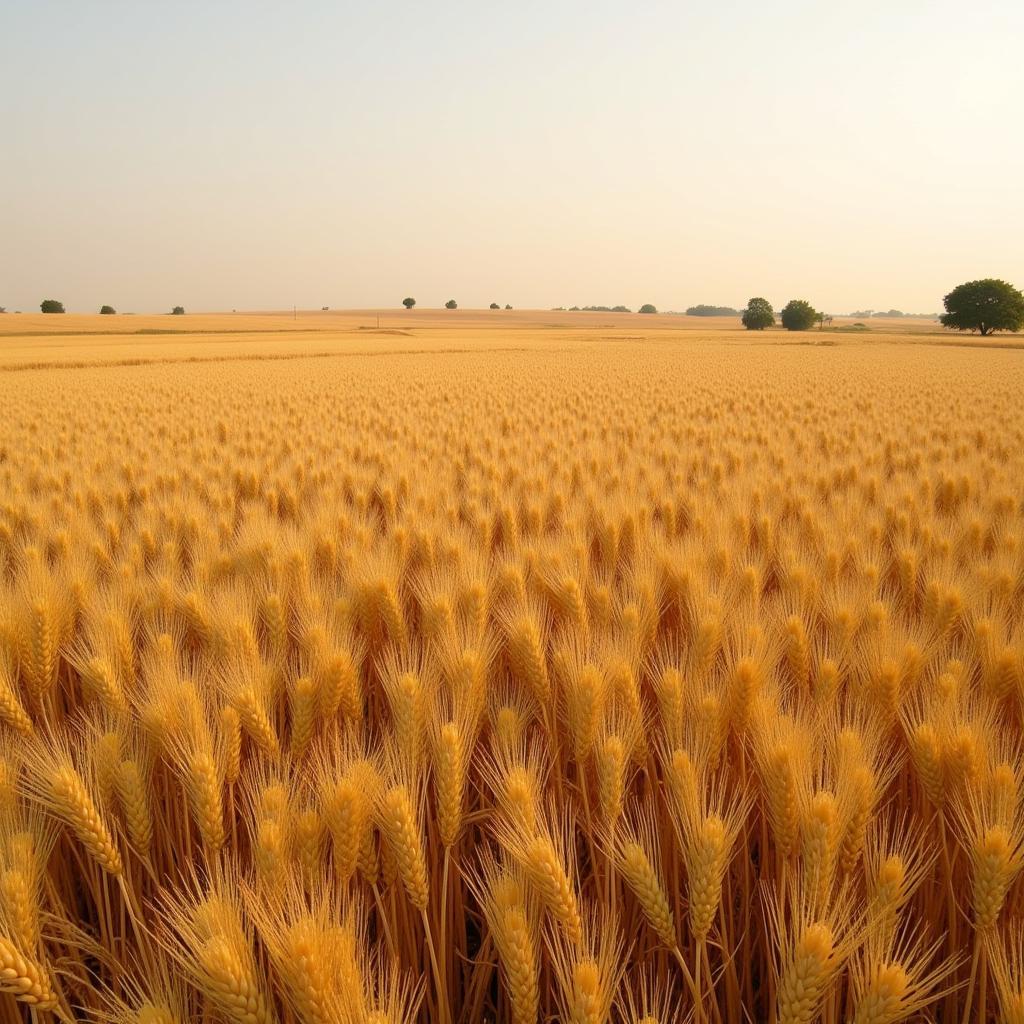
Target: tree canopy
x,y
178,311
494,305
647,307
451,304
107,310
798,315
984,306
409,302
51,306
758,315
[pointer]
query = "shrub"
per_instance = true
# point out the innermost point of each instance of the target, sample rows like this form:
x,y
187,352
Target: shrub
x,y
507,306
647,308
107,310
178,311
494,305
51,306
451,304
798,315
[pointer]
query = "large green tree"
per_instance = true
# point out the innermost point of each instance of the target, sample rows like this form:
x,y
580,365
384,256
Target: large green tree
x,y
758,315
984,306
798,315
51,306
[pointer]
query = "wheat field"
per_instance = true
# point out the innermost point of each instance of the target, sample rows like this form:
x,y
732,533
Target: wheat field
x,y
571,675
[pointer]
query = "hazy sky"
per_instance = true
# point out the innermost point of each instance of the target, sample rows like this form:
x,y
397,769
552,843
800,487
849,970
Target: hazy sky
x,y
226,154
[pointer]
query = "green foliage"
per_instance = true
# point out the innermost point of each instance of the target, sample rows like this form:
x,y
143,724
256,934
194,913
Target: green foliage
x,y
107,310
984,306
703,310
451,304
494,305
758,315
507,306
409,302
647,308
51,306
798,315
178,311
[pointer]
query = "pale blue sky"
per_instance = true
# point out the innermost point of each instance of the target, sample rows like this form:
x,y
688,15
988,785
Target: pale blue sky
x,y
256,155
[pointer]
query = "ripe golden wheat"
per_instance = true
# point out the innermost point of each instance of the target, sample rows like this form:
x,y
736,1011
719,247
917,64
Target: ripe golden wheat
x,y
677,683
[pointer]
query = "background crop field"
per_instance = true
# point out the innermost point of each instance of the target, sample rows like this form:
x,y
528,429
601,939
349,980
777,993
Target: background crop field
x,y
508,667
30,338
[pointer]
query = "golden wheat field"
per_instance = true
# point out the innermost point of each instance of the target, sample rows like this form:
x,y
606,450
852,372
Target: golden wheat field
x,y
552,673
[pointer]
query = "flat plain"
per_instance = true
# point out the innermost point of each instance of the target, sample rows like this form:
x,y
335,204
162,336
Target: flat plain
x,y
463,666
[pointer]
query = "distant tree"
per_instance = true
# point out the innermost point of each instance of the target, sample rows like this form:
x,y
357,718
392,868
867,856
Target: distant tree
x,y
178,311
574,309
703,310
494,305
758,315
451,304
647,308
51,306
798,315
621,309
409,303
984,306
507,306
107,310
323,309
3,309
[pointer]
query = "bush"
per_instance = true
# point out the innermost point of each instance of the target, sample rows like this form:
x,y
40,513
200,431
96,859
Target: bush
x,y
798,315
409,302
984,306
494,305
507,306
758,315
451,304
51,306
107,310
647,308
178,311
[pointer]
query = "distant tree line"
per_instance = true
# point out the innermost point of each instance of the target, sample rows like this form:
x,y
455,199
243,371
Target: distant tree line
x,y
703,310
892,314
986,305
592,309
